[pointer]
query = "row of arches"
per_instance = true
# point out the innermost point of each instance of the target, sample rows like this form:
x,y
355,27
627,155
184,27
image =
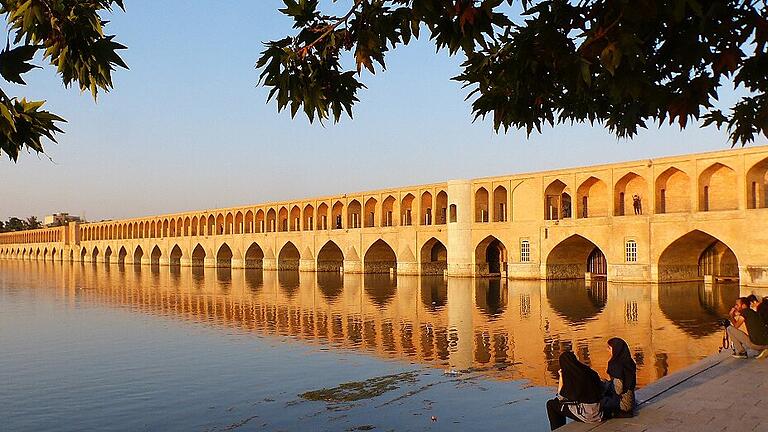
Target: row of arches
x,y
694,255
428,210
717,187
45,235
380,257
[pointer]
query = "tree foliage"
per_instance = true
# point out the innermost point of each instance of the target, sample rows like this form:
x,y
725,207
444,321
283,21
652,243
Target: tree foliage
x,y
70,35
619,63
16,224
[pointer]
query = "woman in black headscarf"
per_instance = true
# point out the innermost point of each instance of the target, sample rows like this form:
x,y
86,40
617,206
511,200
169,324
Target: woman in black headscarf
x,y
579,393
622,370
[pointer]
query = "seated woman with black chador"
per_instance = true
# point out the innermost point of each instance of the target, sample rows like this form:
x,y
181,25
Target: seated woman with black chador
x,y
619,400
578,394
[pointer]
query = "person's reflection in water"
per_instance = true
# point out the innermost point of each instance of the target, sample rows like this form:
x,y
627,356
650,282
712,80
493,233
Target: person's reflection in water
x,y
578,394
331,285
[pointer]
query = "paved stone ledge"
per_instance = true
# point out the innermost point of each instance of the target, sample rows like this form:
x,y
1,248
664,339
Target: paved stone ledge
x,y
719,393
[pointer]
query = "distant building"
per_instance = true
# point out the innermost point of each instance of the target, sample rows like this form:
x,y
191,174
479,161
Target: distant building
x,y
59,219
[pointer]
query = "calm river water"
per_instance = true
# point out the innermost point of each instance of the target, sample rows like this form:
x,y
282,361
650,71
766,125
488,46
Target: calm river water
x,y
86,347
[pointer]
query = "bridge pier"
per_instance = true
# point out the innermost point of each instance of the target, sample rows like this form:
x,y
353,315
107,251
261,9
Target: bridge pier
x,y
353,266
269,263
307,265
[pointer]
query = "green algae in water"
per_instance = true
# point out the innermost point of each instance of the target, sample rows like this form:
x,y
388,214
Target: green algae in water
x,y
359,390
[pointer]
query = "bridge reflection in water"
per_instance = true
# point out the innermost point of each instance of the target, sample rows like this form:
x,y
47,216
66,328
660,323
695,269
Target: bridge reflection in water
x,y
504,329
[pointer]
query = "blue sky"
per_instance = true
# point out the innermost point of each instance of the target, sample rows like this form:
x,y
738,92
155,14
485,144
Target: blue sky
x,y
187,128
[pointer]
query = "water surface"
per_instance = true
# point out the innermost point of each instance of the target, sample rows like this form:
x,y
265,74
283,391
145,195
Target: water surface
x,y
86,347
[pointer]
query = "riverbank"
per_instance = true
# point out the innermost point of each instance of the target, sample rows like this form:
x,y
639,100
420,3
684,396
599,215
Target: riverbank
x,y
719,393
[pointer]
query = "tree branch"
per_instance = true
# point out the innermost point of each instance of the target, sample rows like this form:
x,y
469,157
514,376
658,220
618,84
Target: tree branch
x,y
330,28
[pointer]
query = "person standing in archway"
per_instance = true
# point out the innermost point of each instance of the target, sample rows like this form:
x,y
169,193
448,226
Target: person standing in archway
x,y
637,204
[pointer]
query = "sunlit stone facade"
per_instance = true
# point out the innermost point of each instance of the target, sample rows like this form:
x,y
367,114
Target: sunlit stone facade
x,y
681,218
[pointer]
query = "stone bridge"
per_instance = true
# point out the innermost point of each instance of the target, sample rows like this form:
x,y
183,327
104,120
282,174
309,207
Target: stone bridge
x,y
692,217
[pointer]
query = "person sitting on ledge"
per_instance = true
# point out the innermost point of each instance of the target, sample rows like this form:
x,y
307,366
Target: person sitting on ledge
x,y
578,393
619,399
756,340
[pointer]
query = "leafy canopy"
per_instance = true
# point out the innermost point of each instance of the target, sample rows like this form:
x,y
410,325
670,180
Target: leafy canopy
x,y
70,34
620,63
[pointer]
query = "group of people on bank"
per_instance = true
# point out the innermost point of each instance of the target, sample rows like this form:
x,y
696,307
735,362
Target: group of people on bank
x,y
583,396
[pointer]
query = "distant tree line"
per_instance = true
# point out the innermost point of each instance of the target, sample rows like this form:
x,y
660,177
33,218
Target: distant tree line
x,y
16,224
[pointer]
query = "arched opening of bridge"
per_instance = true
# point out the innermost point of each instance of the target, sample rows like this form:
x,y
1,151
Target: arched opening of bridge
x,y
481,205
370,213
441,208
53,254
288,258
239,227
330,258
575,256
260,222
427,217
309,218
121,255
718,188
154,257
557,201
282,217
45,254
673,194
336,215
387,212
434,257
695,309
271,220
108,255
95,255
322,217
254,257
576,303
592,198
490,258
697,256
175,257
406,210
198,256
630,195
224,257
757,185
353,214
295,222
500,204
380,258
138,254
